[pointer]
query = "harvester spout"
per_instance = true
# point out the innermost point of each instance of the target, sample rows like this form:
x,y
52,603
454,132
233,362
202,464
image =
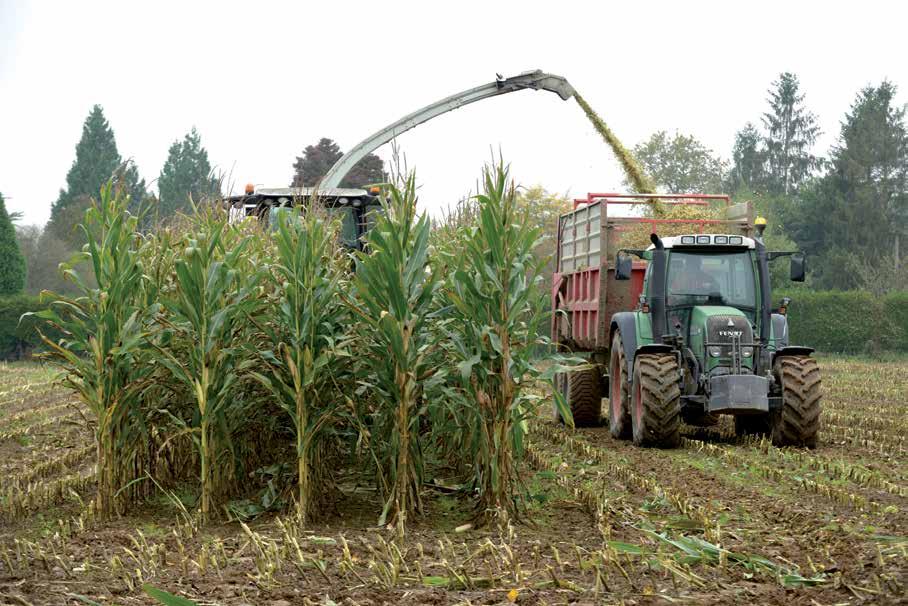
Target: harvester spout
x,y
533,80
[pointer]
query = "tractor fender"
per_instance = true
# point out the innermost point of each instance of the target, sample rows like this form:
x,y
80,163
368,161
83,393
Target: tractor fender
x,y
625,323
794,350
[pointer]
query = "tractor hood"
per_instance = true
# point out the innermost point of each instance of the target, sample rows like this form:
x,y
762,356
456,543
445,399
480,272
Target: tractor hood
x,y
713,329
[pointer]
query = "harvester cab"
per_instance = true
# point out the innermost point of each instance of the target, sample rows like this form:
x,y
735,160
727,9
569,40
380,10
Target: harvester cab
x,y
683,329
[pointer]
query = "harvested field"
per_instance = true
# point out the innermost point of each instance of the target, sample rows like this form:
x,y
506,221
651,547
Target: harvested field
x,y
718,521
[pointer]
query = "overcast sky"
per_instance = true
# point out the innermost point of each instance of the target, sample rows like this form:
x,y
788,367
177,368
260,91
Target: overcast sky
x,y
262,80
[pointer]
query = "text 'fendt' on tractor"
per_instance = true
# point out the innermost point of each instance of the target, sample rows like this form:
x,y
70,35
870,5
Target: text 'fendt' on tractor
x,y
684,329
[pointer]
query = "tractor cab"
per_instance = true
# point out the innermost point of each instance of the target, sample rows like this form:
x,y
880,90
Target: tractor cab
x,y
711,295
356,208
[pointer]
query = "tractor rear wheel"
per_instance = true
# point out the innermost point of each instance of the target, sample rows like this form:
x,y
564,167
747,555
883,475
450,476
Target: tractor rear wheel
x,y
798,423
656,403
619,416
584,391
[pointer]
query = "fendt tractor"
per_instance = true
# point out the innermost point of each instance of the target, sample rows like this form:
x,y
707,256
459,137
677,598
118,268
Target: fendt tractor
x,y
683,330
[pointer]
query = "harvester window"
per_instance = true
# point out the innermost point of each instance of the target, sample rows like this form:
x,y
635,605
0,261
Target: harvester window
x,y
698,278
348,224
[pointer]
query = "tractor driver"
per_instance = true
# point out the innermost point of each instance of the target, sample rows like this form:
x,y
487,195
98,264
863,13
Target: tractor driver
x,y
689,278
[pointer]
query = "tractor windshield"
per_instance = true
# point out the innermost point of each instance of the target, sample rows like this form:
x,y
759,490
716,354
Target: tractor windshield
x,y
717,278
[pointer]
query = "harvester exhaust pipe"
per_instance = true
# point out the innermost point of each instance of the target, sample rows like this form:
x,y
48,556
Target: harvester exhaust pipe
x,y
657,289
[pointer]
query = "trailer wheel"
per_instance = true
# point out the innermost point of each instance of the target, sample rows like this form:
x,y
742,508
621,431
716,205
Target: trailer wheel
x,y
619,416
753,425
585,396
656,404
798,423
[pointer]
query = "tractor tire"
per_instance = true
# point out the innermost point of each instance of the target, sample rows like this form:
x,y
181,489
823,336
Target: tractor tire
x,y
656,403
584,389
798,422
753,425
619,415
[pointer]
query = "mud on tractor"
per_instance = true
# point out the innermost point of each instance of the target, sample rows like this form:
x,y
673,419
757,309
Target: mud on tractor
x,y
684,329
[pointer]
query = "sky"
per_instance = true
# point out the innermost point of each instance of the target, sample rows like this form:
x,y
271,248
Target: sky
x,y
260,81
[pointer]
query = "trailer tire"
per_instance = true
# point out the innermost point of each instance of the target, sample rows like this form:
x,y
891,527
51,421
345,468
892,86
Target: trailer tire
x,y
656,404
798,422
585,396
619,415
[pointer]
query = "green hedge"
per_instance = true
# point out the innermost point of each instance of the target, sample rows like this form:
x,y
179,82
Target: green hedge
x,y
19,339
848,321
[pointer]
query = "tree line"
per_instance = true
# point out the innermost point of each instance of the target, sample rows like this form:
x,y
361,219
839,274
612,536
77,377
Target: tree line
x,y
30,254
848,210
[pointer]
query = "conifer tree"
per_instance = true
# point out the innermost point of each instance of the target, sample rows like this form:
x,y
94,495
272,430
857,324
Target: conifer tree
x,y
97,160
12,263
791,131
186,173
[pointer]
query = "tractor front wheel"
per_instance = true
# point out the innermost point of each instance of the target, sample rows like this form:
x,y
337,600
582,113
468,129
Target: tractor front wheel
x,y
798,423
656,402
584,396
619,416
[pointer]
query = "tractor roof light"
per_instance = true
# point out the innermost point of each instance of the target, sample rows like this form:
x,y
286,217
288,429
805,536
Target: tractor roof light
x,y
688,240
736,240
702,239
720,239
250,189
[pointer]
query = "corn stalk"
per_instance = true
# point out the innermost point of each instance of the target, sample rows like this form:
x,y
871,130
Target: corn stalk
x,y
206,317
395,287
497,304
102,351
304,339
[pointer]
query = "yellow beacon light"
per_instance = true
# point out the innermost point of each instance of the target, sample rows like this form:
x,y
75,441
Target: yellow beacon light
x,y
760,224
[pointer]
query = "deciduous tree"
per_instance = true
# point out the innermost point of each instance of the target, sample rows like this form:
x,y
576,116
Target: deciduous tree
x,y
680,163
319,158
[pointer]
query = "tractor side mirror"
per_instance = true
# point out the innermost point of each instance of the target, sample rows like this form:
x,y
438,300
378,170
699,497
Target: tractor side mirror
x,y
798,267
623,267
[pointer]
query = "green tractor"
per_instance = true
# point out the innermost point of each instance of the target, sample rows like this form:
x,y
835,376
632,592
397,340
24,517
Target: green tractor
x,y
686,332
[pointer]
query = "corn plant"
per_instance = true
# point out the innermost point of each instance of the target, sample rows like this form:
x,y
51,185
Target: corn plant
x,y
395,287
497,304
206,317
102,351
304,338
